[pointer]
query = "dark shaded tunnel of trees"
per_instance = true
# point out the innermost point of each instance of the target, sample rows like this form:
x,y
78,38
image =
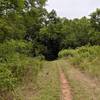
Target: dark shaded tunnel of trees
x,y
52,50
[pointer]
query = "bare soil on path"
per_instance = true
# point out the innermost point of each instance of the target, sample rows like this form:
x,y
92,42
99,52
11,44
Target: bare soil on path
x,y
64,84
65,88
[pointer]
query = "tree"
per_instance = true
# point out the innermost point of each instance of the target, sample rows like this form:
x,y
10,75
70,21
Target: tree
x,y
51,35
95,20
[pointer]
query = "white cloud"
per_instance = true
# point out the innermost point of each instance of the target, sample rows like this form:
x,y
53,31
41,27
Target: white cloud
x,y
73,8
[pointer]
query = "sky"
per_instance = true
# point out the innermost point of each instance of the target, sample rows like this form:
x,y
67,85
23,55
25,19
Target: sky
x,y
73,8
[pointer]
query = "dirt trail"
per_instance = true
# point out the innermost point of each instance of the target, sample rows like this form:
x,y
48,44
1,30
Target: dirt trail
x,y
59,80
65,88
88,88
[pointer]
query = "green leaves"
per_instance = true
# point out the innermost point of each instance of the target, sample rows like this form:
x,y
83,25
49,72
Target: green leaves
x,y
7,81
95,20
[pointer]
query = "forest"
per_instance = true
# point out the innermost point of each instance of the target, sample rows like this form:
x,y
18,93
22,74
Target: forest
x,y
29,35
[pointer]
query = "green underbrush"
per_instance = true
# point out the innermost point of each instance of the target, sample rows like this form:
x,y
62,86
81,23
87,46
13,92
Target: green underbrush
x,y
16,67
86,58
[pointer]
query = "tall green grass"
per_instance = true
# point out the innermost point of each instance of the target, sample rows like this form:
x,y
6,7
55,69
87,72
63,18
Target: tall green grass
x,y
87,58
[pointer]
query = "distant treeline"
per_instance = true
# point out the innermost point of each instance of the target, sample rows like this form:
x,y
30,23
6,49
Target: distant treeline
x,y
30,22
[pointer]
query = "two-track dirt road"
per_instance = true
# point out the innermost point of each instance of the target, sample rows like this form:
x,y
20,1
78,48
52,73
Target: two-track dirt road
x,y
59,80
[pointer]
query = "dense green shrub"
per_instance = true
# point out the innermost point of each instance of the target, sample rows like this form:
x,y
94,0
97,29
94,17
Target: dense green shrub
x,y
7,81
9,48
87,58
66,53
18,70
83,52
16,66
23,47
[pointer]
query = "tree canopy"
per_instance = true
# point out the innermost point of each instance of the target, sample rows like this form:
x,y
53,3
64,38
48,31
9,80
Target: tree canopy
x,y
28,20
